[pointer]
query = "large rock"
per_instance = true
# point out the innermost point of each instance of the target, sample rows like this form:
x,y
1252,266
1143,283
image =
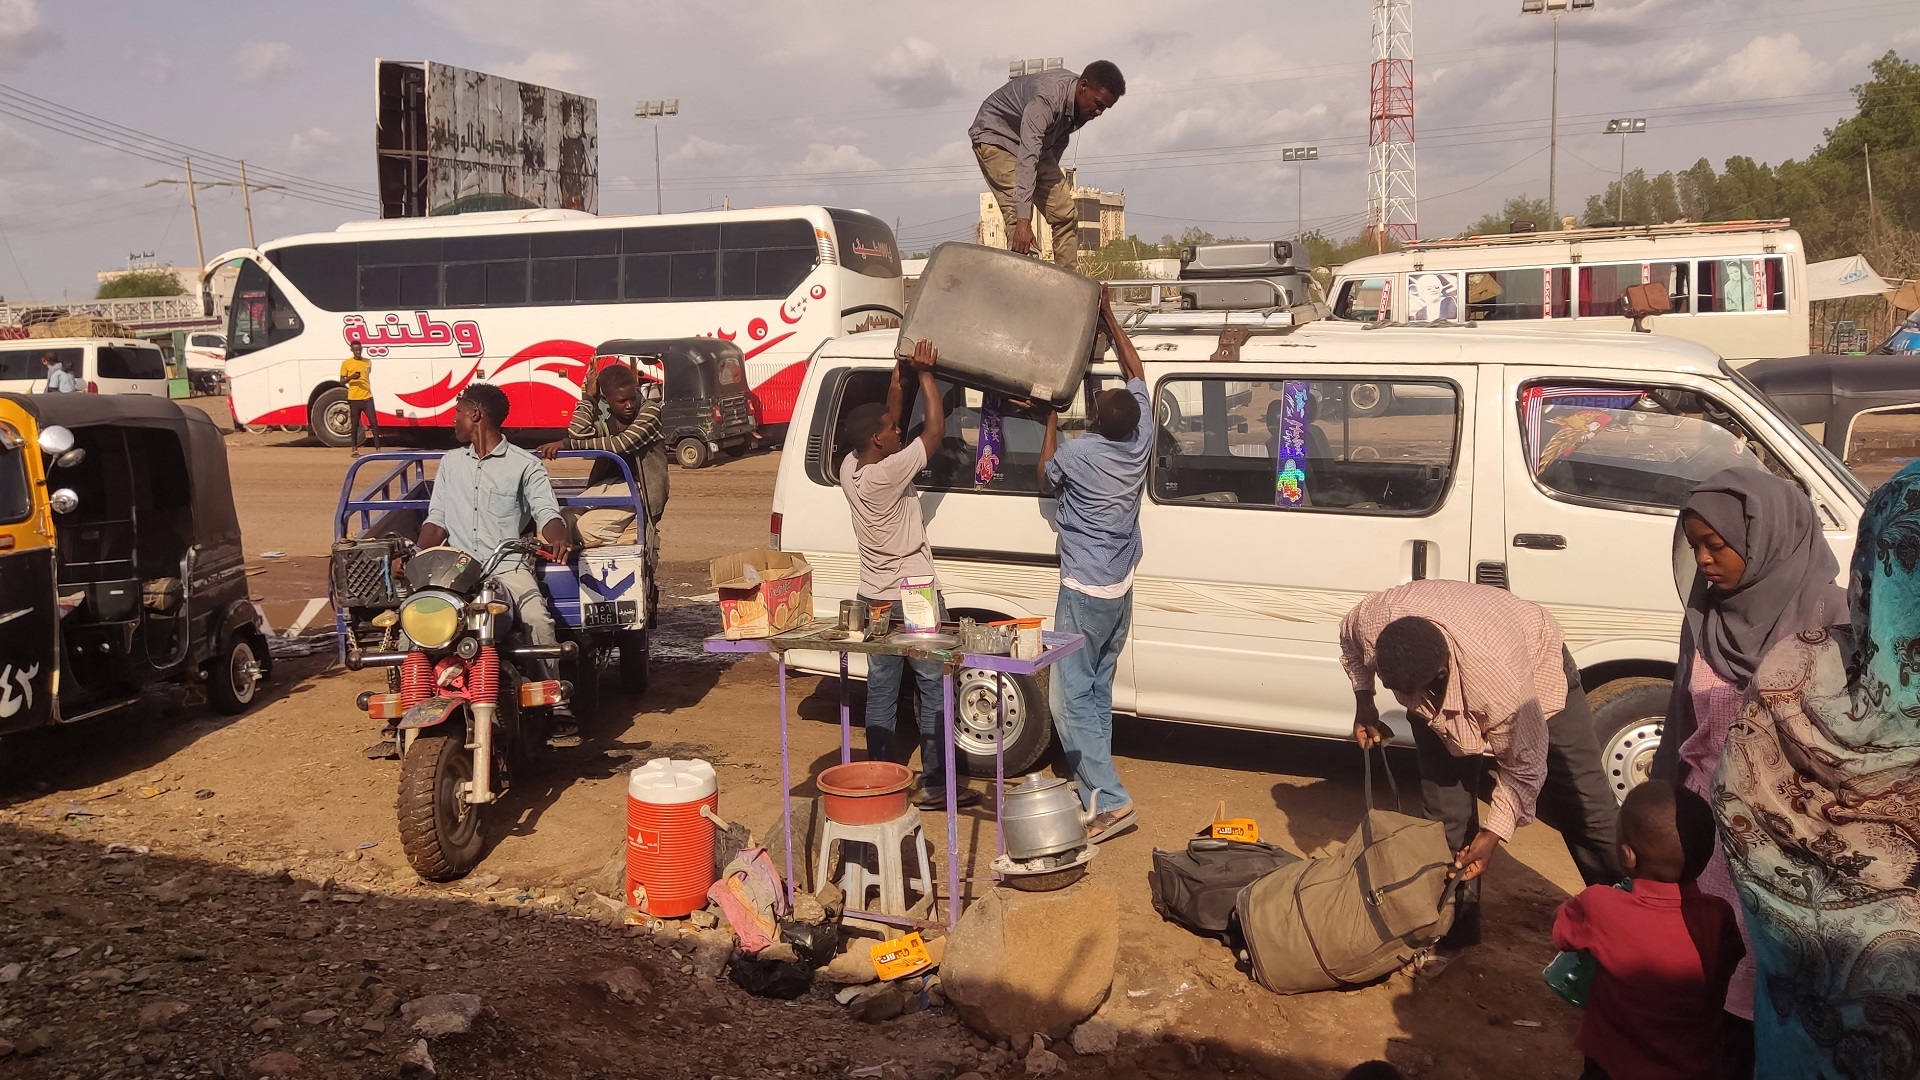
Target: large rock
x,y
1023,962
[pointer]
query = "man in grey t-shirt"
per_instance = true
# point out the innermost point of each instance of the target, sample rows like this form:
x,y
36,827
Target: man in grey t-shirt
x,y
877,479
1019,135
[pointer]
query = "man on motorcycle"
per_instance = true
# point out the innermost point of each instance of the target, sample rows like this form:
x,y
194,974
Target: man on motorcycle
x,y
483,496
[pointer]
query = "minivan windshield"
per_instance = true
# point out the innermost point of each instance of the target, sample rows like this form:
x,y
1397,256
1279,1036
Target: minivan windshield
x,y
1807,441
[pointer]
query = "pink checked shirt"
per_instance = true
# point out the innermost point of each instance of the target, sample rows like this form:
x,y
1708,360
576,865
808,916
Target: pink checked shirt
x,y
1508,677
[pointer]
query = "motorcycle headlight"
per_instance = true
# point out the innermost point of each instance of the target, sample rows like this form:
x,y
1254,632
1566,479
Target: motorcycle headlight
x,y
431,620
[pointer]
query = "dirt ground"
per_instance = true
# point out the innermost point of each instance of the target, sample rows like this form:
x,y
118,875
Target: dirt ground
x,y
249,869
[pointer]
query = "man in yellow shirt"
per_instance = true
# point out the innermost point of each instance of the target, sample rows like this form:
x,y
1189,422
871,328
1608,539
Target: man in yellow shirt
x,y
356,372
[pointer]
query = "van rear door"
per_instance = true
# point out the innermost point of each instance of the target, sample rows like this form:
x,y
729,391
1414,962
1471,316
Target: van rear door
x,y
128,368
1270,515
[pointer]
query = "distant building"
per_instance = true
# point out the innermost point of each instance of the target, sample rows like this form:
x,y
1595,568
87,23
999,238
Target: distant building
x,y
188,277
1102,215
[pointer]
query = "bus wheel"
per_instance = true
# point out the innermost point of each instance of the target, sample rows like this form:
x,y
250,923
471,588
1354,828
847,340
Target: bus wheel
x,y
332,421
691,454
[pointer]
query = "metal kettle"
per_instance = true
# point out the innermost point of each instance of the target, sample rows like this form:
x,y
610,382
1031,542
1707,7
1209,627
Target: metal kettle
x,y
1041,817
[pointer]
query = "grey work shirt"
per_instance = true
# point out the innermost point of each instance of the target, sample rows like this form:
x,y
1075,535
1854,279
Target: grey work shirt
x,y
1031,117
484,502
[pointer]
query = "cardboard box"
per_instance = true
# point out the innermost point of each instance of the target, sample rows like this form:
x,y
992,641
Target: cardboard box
x,y
763,592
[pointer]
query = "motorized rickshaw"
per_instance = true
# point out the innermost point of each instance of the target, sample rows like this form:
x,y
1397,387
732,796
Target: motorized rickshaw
x,y
1844,402
121,563
707,409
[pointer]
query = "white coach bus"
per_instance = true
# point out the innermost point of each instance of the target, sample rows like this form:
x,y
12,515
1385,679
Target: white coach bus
x,y
521,298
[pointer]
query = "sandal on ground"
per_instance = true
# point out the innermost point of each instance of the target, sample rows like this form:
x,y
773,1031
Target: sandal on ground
x,y
384,750
928,798
1108,824
563,731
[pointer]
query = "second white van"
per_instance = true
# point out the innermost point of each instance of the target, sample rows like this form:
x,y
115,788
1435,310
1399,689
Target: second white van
x,y
103,365
1550,464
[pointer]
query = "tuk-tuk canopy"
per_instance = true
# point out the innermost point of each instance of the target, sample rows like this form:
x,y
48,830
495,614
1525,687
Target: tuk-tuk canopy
x,y
201,444
1832,390
699,367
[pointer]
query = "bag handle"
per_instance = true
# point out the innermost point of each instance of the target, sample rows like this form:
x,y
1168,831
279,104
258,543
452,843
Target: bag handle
x,y
1366,754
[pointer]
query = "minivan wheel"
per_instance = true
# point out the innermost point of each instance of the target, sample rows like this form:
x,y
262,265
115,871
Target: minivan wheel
x,y
691,454
1628,717
1028,730
332,418
1368,399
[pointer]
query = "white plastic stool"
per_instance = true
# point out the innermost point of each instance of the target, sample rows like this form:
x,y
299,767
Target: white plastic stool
x,y
886,869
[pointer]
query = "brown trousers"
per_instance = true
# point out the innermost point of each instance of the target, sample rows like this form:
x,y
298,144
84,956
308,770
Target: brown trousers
x,y
1051,197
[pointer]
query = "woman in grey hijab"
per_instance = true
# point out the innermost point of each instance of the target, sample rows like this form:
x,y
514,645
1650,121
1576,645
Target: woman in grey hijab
x,y
1760,573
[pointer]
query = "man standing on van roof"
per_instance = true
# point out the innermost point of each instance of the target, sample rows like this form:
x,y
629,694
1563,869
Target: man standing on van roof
x,y
1098,479
1480,670
877,479
1019,136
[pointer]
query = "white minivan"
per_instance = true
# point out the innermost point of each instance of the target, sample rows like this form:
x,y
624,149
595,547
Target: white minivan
x,y
1551,464
103,365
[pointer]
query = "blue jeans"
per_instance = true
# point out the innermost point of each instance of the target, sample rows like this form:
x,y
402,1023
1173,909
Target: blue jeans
x,y
1081,694
884,676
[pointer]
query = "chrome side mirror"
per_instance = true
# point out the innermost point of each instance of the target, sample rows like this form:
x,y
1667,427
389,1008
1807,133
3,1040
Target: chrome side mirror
x,y
64,501
55,439
71,458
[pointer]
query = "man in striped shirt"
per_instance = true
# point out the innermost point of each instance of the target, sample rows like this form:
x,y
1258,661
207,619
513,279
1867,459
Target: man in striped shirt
x,y
613,415
1481,671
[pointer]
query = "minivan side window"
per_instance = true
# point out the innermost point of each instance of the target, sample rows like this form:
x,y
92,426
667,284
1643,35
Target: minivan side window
x,y
958,465
129,362
1645,446
25,363
1338,445
1365,300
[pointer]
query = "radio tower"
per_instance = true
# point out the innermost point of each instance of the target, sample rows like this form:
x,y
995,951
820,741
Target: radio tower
x,y
1393,207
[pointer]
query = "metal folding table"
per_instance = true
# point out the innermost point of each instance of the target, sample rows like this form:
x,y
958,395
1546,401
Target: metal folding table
x,y
1054,646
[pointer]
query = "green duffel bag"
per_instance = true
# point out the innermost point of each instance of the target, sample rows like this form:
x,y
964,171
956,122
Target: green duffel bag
x,y
1348,919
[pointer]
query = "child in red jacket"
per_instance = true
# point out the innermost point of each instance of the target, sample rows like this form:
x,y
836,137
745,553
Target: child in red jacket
x,y
1665,951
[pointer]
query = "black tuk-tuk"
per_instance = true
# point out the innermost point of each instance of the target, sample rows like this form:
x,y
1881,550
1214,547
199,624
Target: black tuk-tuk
x,y
121,564
1842,402
708,409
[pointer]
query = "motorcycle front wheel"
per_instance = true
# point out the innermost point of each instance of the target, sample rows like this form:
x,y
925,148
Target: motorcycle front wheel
x,y
439,830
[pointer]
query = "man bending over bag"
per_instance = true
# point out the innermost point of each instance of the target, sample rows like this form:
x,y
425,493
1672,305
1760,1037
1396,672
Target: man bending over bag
x,y
1480,670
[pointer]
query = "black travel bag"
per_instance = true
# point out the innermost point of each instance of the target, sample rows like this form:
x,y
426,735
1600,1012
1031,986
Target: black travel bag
x,y
1197,887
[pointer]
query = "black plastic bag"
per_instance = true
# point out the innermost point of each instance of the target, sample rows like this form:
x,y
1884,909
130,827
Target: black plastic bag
x,y
815,945
782,979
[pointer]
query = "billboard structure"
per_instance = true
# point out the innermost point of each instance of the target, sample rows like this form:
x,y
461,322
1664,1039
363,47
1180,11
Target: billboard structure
x,y
449,140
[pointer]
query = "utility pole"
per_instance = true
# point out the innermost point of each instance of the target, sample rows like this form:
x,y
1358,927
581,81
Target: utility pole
x,y
246,203
654,110
1554,8
199,246
1300,155
1623,127
1873,215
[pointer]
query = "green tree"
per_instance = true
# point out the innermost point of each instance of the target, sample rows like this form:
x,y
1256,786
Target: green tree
x,y
1518,208
140,283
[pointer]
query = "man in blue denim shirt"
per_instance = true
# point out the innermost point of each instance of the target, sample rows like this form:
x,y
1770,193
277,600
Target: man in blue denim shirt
x,y
1098,479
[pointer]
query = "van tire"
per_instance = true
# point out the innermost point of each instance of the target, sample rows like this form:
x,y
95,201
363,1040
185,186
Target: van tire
x,y
691,454
1628,716
332,418
1029,718
234,677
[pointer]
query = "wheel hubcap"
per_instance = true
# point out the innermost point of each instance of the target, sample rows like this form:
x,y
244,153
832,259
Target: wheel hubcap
x,y
339,419
246,671
1629,755
976,712
1364,396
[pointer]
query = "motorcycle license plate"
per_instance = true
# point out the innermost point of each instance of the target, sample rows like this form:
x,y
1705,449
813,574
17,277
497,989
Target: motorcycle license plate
x,y
610,613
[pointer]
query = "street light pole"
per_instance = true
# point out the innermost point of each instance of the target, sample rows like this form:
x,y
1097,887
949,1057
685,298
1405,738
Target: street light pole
x,y
1625,126
653,110
1300,155
1554,8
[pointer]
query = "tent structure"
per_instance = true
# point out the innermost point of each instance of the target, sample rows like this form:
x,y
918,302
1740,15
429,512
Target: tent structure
x,y
1850,276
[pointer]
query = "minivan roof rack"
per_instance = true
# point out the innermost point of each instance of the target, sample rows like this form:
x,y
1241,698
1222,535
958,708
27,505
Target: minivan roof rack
x,y
1157,304
1613,232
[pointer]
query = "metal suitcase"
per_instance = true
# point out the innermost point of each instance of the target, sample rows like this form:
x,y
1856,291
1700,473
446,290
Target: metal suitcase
x,y
1005,322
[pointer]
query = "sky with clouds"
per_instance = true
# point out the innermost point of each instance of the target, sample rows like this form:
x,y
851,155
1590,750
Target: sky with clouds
x,y
865,105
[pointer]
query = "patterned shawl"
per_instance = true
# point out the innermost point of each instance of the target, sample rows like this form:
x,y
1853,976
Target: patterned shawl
x,y
1818,800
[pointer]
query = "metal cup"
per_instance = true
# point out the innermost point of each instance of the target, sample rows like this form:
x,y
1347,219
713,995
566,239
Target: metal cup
x,y
853,616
